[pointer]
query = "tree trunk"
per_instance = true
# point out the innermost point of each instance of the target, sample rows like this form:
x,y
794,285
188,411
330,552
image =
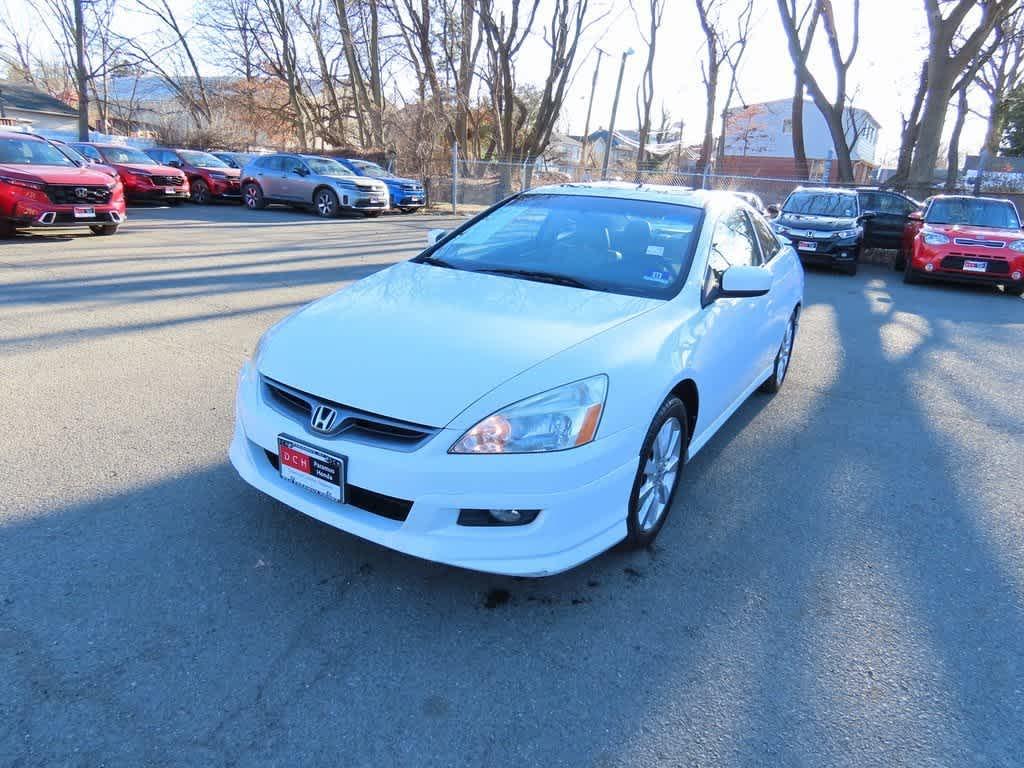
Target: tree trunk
x,y
908,138
708,144
800,165
953,154
941,75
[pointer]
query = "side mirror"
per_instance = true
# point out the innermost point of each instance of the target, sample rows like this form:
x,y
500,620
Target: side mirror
x,y
434,235
867,215
299,170
915,216
174,163
744,282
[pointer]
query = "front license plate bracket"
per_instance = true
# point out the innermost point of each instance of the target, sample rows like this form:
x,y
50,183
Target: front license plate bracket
x,y
311,468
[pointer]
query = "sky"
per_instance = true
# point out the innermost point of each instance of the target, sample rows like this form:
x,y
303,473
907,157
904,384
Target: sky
x,y
882,80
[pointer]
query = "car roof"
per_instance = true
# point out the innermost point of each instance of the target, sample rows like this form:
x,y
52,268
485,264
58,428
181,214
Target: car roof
x,y
834,190
655,193
971,197
20,135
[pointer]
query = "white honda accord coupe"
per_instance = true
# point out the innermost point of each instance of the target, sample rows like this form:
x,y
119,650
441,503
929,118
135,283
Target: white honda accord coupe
x,y
523,394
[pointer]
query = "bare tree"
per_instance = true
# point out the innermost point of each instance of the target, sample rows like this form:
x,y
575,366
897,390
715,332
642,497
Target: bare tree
x,y
655,9
833,110
807,24
1001,74
951,48
721,47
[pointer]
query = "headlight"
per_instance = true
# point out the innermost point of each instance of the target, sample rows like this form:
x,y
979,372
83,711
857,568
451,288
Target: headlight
x,y
777,227
560,418
344,184
934,238
846,233
1017,245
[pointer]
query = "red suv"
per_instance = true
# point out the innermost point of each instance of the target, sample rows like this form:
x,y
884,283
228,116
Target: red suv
x,y
965,239
143,178
40,187
209,177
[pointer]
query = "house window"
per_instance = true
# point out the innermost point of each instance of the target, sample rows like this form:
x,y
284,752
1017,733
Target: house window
x,y
787,125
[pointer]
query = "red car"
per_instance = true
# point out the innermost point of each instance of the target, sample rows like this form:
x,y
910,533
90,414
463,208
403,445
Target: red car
x,y
41,187
143,177
965,239
209,177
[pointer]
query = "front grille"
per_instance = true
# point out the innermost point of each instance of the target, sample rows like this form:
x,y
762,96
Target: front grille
x,y
77,195
167,181
995,266
972,243
375,503
352,423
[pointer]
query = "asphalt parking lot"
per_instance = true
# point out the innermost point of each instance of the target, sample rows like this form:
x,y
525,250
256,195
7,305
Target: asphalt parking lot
x,y
841,582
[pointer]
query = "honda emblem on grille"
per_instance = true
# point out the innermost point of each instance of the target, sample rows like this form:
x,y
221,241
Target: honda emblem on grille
x,y
323,418
81,193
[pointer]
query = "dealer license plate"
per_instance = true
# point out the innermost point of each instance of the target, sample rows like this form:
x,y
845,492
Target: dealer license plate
x,y
170,191
975,266
313,469
85,212
807,245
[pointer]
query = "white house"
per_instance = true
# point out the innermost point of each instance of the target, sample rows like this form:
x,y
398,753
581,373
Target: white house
x,y
758,140
42,113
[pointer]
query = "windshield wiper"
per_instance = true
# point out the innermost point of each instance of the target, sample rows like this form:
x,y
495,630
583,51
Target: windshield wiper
x,y
437,262
540,277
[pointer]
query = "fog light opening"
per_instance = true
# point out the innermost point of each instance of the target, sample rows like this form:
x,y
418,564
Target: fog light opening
x,y
1017,275
929,267
497,517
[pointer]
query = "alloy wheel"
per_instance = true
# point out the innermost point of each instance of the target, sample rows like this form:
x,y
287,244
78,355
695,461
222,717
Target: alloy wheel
x,y
251,196
326,204
661,469
785,353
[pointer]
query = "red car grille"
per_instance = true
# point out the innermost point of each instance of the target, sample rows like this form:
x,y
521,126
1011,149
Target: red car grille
x,y
77,195
996,265
168,181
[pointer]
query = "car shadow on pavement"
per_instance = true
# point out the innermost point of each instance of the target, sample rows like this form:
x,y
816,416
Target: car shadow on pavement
x,y
827,592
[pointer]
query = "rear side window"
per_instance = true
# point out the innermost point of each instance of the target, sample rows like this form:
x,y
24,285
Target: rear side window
x,y
897,205
769,243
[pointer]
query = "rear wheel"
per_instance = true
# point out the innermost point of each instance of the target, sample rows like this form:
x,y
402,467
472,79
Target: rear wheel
x,y
326,204
252,196
782,358
103,229
662,456
200,192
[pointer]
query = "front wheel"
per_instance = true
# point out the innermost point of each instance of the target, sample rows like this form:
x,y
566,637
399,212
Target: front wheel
x,y
326,204
662,456
782,358
103,229
909,275
200,192
252,196
899,261
1012,289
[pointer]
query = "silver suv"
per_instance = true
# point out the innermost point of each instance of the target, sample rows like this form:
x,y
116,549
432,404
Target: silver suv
x,y
320,183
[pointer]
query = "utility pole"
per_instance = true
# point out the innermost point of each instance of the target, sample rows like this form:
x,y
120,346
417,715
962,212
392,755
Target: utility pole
x,y
615,107
81,78
590,106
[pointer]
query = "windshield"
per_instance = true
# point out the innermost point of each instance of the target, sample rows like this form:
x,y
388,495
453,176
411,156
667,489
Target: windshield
x,y
997,214
635,247
31,152
201,159
372,169
840,204
74,154
126,155
323,166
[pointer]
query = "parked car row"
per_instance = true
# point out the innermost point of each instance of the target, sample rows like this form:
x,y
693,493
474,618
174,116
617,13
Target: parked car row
x,y
948,237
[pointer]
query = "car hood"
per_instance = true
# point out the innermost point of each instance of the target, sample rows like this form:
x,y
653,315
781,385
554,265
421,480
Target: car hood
x,y
231,173
968,232
401,181
148,170
421,343
56,174
815,223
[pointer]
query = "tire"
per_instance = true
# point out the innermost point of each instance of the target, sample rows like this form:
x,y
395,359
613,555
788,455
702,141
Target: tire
x,y
909,275
657,476
104,230
372,214
899,261
325,203
1011,289
252,197
6,229
200,194
782,358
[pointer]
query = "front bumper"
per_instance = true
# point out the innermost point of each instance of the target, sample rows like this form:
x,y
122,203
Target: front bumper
x,y
363,199
947,264
151,194
583,493
827,250
63,216
408,199
226,190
